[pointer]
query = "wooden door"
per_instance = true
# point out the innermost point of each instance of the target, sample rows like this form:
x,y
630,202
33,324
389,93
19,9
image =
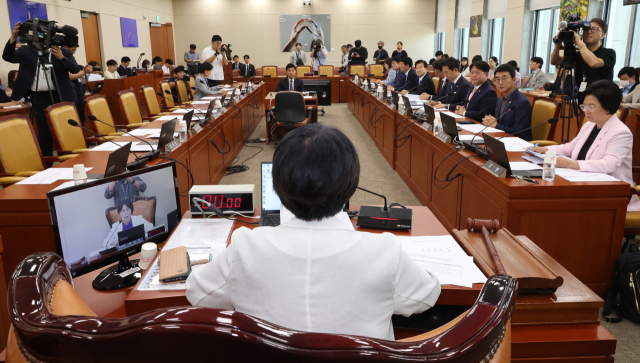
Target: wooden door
x,y
91,37
162,41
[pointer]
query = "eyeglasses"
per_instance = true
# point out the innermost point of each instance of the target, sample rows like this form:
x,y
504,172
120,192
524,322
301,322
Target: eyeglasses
x,y
476,73
589,108
502,80
594,29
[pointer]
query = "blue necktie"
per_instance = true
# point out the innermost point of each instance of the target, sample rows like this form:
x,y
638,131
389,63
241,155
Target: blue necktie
x,y
290,85
452,85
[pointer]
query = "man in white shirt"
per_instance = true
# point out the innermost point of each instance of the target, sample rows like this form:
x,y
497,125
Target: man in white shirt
x,y
167,67
315,273
112,70
345,59
216,54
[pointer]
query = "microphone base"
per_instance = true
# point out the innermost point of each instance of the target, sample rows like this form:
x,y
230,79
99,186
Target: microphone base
x,y
150,156
376,217
137,165
481,152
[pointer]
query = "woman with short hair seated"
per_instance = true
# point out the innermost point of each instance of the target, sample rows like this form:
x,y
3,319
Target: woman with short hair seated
x,y
314,273
604,143
202,84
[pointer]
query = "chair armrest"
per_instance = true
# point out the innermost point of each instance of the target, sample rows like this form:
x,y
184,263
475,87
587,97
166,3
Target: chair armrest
x,y
27,173
116,134
67,157
544,142
51,159
10,180
79,151
309,111
135,126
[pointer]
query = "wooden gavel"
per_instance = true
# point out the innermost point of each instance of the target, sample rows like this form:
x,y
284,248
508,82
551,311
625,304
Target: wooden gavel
x,y
485,225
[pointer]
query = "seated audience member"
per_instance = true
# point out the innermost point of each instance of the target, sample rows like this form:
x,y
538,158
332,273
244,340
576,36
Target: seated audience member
x,y
391,65
124,64
493,63
518,121
628,79
464,65
177,74
411,77
6,100
298,56
95,75
425,83
112,70
514,64
437,68
168,66
401,77
568,86
482,97
202,86
399,52
11,82
127,221
247,69
537,78
439,54
146,65
380,54
604,143
632,99
445,56
465,72
264,272
431,61
290,82
456,89
157,61
236,62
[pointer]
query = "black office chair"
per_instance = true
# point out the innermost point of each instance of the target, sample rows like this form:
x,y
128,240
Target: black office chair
x,y
288,112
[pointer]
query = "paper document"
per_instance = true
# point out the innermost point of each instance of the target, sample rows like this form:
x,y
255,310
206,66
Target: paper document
x,y
478,139
109,146
441,109
210,98
142,132
142,147
200,102
516,144
452,114
533,159
14,106
523,165
201,237
169,118
156,135
443,257
50,175
475,128
573,175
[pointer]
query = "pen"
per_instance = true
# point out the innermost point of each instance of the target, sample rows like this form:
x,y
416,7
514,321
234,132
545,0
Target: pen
x,y
529,149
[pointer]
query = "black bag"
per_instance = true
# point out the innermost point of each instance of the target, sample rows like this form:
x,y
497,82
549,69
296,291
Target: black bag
x,y
626,286
299,62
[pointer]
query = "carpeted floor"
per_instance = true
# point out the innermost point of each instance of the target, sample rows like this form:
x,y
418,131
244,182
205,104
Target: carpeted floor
x,y
376,175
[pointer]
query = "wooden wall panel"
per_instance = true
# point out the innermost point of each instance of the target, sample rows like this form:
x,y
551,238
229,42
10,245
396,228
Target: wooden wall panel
x,y
92,39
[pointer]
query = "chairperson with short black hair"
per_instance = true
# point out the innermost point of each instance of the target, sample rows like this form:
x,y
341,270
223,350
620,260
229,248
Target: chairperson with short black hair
x,y
290,82
124,64
314,271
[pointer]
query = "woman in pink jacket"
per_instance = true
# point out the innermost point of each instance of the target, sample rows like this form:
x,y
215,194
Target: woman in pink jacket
x,y
604,143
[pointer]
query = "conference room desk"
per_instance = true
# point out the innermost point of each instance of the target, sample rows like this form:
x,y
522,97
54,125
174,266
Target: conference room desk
x,y
25,223
561,328
580,225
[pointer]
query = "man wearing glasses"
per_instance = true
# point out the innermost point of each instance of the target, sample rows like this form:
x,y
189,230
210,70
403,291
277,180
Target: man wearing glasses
x,y
516,121
594,62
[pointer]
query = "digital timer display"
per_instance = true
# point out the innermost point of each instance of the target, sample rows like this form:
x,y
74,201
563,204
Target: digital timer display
x,y
226,202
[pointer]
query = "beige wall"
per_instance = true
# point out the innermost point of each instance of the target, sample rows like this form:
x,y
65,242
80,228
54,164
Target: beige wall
x,y
451,27
475,44
109,13
253,27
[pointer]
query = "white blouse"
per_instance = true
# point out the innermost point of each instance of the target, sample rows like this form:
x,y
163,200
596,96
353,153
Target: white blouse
x,y
316,277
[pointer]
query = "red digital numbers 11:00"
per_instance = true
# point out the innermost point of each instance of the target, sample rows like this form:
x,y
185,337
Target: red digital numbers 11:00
x,y
220,202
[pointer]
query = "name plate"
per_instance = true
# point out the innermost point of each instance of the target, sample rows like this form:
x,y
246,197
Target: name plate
x,y
427,126
196,128
495,169
446,138
172,145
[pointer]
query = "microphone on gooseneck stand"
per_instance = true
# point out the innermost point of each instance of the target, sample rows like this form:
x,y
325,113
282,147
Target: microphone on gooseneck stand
x,y
140,57
471,146
151,155
550,121
385,217
135,165
182,107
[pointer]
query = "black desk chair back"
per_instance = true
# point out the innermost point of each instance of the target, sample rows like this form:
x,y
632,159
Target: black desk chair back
x,y
289,110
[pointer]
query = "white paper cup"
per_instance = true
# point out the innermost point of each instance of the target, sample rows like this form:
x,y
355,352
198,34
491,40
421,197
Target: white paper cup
x,y
182,126
78,172
149,251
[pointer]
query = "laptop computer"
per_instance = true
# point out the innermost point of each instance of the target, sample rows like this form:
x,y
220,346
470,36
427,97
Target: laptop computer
x,y
394,98
429,114
166,136
498,154
207,116
131,236
449,126
407,106
270,202
173,218
187,118
117,163
97,87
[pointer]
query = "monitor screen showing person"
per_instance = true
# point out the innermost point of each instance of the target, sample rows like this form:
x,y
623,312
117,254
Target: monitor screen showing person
x,y
97,221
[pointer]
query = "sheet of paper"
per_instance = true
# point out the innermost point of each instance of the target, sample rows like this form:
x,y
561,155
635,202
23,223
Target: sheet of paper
x,y
475,128
210,98
200,102
443,257
14,106
453,115
534,159
441,109
142,147
142,132
538,155
573,175
468,138
64,185
412,98
523,165
516,144
109,146
156,135
50,175
170,117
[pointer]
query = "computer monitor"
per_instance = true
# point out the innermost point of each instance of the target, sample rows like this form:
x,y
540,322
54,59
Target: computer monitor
x,y
98,223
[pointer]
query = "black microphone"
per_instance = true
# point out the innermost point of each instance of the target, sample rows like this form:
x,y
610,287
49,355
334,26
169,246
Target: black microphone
x,y
385,208
511,108
135,165
550,121
140,57
149,156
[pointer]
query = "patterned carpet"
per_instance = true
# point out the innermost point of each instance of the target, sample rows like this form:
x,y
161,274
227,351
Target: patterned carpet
x,y
376,175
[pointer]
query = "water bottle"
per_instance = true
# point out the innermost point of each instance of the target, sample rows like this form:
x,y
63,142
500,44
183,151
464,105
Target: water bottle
x,y
379,92
549,166
436,127
182,131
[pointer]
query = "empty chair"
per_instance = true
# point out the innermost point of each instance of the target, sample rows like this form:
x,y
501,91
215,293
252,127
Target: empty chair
x,y
20,155
376,69
99,108
235,73
301,70
182,92
50,322
167,98
325,71
67,140
543,110
130,109
270,71
357,69
151,101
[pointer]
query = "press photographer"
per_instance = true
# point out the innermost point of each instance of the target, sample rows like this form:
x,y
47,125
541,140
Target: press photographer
x,y
318,54
76,78
593,62
43,74
217,55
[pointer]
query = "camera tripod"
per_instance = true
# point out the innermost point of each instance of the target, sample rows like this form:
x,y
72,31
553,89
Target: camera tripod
x,y
46,66
570,100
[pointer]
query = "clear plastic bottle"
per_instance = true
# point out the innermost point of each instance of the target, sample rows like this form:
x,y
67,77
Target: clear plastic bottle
x,y
182,131
436,127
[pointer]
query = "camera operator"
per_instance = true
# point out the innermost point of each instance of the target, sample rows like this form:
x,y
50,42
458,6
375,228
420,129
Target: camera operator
x,y
319,55
216,54
63,63
76,80
358,55
594,62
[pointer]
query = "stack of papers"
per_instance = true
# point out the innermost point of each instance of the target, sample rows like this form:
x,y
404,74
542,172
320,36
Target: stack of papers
x,y
109,146
143,147
573,175
143,132
209,98
50,175
467,138
200,102
523,165
516,144
475,128
443,257
453,114
169,118
201,237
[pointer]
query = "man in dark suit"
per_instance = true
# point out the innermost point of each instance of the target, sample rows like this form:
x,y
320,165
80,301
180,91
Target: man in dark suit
x,y
442,81
62,62
425,83
517,121
247,69
290,82
124,64
236,62
456,89
482,97
412,80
